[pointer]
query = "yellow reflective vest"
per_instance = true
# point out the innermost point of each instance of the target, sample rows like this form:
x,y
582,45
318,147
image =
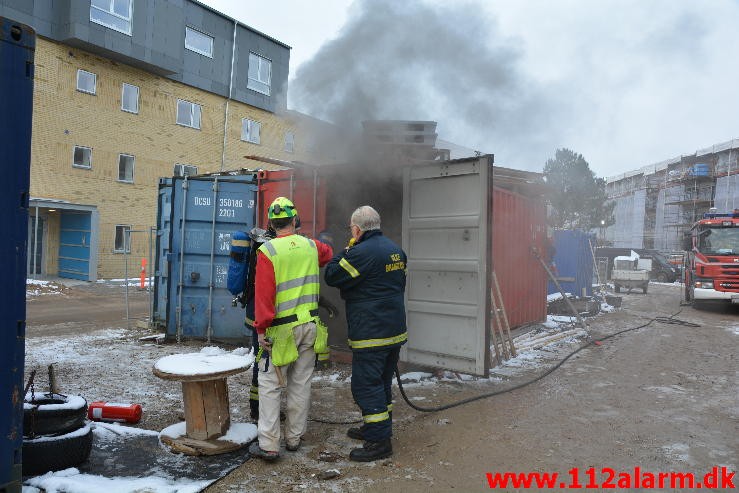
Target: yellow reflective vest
x,y
295,262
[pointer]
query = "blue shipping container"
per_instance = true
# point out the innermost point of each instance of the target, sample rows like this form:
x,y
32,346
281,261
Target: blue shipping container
x,y
17,47
196,218
574,260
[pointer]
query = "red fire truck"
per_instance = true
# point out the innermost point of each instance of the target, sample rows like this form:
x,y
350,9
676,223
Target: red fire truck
x,y
711,267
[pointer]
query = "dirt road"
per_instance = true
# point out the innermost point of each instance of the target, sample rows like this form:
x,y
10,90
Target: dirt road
x,y
663,398
84,307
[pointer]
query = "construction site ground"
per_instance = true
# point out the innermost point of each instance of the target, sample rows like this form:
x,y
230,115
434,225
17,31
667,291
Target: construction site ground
x,y
662,398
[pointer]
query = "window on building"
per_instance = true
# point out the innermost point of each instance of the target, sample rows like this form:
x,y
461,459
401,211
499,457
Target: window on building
x,y
113,14
82,157
86,81
185,170
250,130
122,238
260,74
130,98
289,142
125,167
198,42
188,114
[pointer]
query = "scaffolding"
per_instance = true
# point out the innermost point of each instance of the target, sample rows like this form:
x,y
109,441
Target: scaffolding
x,y
656,204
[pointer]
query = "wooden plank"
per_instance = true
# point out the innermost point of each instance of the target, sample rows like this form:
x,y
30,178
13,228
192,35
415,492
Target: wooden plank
x,y
190,446
215,404
192,393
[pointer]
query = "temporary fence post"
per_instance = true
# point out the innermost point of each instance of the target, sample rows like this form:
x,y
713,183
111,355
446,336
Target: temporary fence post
x,y
126,247
151,278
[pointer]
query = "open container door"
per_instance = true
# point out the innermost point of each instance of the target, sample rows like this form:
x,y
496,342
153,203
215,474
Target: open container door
x,y
446,234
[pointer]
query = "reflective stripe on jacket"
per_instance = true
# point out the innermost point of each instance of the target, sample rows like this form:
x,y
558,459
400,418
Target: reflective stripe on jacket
x,y
371,277
295,262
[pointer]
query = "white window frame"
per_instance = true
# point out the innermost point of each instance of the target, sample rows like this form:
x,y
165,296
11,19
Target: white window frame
x,y
192,114
249,128
256,85
126,238
133,167
185,170
290,142
94,82
189,29
111,12
81,166
123,98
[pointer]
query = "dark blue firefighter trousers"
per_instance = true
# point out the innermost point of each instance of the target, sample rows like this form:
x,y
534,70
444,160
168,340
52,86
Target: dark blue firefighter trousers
x,y
372,378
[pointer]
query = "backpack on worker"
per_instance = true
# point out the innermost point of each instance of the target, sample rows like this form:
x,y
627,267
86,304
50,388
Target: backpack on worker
x,y
238,265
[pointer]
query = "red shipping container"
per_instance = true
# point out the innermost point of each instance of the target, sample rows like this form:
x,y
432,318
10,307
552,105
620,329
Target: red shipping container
x,y
519,224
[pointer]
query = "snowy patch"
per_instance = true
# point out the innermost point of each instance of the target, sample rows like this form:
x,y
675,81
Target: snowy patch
x,y
556,296
606,308
176,430
72,434
71,481
104,430
70,401
241,433
415,376
209,360
37,287
733,330
334,377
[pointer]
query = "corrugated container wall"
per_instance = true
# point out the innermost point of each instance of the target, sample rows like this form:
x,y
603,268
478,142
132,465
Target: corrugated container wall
x,y
197,217
17,44
202,213
519,224
574,259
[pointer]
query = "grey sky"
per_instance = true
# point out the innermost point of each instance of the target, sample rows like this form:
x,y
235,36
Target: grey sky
x,y
626,83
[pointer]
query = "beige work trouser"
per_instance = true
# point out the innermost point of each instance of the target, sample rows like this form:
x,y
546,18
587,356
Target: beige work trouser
x,y
297,376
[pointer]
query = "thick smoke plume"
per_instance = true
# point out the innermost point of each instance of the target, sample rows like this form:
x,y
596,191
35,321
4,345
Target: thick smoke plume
x,y
411,61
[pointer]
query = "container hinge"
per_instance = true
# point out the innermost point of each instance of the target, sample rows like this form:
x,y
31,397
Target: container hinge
x,y
215,186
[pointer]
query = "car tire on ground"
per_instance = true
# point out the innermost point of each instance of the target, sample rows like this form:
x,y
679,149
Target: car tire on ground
x,y
662,277
54,453
53,414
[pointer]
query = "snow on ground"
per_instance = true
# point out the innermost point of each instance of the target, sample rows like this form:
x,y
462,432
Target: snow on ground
x,y
734,330
241,433
37,287
72,481
107,430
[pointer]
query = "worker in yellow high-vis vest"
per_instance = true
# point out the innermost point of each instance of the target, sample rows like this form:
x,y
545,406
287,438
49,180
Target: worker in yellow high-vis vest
x,y
288,329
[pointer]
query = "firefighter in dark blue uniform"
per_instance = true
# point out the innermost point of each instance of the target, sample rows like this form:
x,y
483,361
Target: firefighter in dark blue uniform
x,y
370,273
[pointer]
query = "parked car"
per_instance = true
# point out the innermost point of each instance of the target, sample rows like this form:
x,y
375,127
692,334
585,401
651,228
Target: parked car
x,y
662,269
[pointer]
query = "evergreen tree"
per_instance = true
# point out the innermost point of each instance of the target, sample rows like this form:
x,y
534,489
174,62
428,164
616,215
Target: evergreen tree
x,y
577,198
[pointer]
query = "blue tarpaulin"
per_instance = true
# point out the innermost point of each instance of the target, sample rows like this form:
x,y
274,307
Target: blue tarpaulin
x,y
574,262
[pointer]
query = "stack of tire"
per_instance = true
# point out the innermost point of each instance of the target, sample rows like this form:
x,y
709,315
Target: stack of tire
x,y
55,434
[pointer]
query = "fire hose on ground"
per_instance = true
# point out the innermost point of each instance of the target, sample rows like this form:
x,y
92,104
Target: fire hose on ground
x,y
591,342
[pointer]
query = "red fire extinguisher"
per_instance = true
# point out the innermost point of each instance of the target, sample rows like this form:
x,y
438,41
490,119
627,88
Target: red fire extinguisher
x,y
114,411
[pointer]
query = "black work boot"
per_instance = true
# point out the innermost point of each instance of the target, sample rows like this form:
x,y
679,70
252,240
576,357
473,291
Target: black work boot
x,y
372,451
356,433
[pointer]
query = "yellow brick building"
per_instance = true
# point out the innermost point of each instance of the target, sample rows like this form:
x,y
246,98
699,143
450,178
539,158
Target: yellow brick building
x,y
66,118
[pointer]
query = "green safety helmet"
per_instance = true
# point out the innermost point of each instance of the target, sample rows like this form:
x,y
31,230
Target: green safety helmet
x,y
281,207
